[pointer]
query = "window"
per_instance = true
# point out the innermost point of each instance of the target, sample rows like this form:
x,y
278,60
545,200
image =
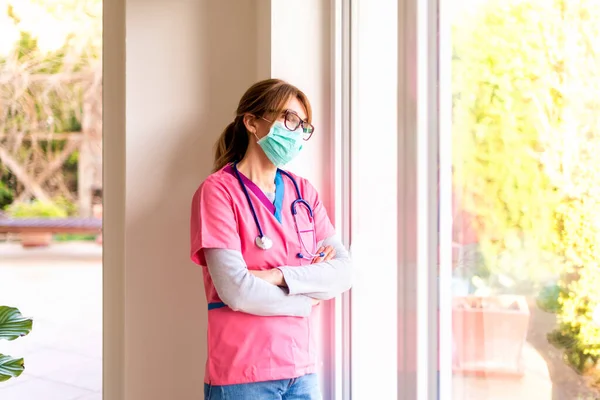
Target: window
x,y
524,123
472,204
393,199
373,199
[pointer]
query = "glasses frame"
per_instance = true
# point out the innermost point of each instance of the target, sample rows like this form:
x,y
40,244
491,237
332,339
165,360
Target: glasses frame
x,y
305,124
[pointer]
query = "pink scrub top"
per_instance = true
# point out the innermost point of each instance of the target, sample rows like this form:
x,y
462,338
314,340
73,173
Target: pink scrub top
x,y
244,348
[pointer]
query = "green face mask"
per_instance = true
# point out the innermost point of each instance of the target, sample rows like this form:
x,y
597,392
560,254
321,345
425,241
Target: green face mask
x,y
281,145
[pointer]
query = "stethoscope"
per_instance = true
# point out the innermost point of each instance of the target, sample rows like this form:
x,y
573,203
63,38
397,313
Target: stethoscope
x,y
263,241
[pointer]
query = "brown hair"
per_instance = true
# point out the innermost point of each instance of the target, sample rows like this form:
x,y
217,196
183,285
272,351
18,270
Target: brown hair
x,y
266,98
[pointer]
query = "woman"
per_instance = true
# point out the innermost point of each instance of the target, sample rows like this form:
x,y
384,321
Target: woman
x,y
266,268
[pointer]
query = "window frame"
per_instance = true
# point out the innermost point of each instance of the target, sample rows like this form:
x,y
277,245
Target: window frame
x,y
418,148
363,119
420,152
342,336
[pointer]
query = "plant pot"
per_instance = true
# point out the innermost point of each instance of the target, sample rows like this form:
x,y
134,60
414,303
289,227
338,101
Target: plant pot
x,y
489,334
37,239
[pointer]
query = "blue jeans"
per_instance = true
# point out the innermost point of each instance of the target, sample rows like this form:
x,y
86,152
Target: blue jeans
x,y
303,388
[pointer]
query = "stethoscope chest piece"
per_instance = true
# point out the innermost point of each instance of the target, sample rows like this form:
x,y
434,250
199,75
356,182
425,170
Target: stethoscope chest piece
x,y
263,242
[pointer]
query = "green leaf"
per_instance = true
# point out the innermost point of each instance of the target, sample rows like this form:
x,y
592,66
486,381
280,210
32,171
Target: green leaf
x,y
10,367
13,324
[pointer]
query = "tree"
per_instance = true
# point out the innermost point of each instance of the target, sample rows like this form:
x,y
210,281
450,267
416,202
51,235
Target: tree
x,y
48,91
527,136
497,69
570,117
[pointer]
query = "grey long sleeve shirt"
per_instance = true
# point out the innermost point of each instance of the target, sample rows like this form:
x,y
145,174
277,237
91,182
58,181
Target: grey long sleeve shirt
x,y
324,280
242,291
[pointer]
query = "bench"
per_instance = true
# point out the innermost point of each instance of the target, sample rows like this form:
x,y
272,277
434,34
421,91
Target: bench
x,y
51,225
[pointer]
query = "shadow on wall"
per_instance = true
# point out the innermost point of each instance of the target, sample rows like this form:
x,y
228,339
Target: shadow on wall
x,y
188,65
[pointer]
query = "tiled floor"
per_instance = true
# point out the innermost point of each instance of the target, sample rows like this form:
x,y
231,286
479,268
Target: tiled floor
x,y
535,384
61,289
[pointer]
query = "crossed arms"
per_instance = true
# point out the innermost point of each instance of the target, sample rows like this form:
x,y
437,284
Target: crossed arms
x,y
282,291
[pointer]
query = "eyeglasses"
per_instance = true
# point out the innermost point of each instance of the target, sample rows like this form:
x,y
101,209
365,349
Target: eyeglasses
x,y
292,121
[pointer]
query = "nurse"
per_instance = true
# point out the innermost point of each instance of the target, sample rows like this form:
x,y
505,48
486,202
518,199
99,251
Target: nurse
x,y
268,250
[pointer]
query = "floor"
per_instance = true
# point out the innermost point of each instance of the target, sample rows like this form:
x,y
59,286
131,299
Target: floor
x,y
535,384
61,289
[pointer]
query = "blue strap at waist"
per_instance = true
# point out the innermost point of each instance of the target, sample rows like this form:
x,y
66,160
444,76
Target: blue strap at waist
x,y
213,306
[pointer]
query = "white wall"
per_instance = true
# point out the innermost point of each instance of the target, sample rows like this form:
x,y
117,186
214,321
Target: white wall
x,y
187,64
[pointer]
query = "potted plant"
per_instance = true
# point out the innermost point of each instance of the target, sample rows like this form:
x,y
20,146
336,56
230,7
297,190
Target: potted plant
x,y
35,209
489,334
12,326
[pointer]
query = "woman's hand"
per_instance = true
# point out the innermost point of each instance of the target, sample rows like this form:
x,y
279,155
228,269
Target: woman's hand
x,y
273,276
329,254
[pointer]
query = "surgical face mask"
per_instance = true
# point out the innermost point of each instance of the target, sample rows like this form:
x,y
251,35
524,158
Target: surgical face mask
x,y
281,145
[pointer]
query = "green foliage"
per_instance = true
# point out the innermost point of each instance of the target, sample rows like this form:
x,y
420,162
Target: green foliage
x,y
67,205
27,45
526,78
46,82
6,195
498,59
548,298
10,11
10,367
573,139
579,234
12,326
68,237
53,106
36,209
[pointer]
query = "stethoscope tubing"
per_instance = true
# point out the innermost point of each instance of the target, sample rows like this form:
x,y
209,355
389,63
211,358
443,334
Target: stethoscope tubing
x,y
237,174
293,209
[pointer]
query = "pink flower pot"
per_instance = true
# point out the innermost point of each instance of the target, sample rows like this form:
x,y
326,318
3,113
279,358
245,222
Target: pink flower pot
x,y
489,334
35,239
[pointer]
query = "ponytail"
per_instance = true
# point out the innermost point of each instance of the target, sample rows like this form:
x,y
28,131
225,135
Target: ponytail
x,y
232,144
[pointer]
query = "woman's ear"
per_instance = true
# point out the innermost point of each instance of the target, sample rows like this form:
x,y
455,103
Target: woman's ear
x,y
251,123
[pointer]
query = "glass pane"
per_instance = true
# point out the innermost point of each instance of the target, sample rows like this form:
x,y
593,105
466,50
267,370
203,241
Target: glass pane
x,y
525,204
51,167
373,199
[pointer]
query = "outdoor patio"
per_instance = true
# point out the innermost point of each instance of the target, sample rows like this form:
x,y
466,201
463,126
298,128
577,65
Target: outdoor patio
x,y
535,384
61,289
